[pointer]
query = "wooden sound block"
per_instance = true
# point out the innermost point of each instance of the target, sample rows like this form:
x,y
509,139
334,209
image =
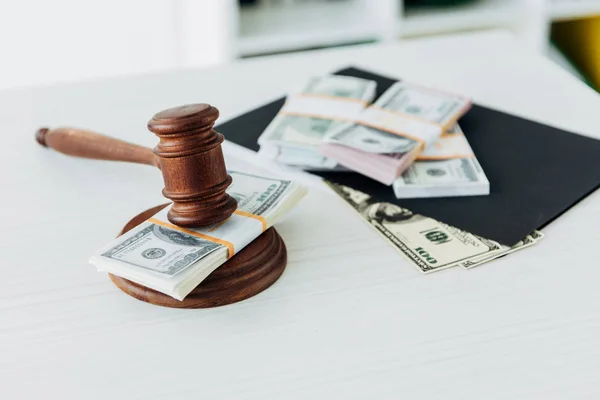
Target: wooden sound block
x,y
247,273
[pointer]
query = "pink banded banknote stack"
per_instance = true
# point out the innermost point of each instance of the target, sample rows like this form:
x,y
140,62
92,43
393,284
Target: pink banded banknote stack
x,y
387,137
408,138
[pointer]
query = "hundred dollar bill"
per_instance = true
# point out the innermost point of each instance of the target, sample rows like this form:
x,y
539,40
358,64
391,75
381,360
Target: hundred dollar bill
x,y
307,116
305,158
424,104
372,140
174,260
446,168
294,124
429,244
372,152
529,240
417,116
386,137
384,168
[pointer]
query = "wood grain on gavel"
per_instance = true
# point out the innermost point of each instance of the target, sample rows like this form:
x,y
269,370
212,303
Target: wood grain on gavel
x,y
189,155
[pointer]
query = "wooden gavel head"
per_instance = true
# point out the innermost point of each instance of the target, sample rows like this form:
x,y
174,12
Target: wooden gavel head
x,y
191,160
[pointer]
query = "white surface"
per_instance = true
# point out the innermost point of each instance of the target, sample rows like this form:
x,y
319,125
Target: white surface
x,y
68,40
281,26
278,26
60,40
349,318
270,27
525,18
45,41
202,38
561,10
473,15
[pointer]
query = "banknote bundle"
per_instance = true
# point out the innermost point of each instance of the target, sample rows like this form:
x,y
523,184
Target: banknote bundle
x,y
408,139
174,260
320,107
385,138
446,168
430,245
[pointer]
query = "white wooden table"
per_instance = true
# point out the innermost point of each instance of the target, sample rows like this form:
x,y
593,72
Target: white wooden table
x,y
350,318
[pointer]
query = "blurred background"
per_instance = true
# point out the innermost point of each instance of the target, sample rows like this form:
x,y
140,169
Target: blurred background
x,y
51,41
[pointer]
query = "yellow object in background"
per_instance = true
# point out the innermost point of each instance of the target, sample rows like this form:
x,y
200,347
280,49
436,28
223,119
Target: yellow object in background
x,y
579,40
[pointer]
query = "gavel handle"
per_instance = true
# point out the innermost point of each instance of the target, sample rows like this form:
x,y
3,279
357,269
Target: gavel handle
x,y
87,144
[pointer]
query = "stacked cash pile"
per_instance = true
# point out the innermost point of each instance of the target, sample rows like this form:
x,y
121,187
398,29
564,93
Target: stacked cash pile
x,y
321,107
447,168
407,139
430,245
386,137
174,260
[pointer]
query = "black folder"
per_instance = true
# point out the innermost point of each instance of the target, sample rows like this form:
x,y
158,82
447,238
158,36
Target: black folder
x,y
536,172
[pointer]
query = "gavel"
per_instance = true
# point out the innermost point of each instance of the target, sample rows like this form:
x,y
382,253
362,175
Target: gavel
x,y
189,155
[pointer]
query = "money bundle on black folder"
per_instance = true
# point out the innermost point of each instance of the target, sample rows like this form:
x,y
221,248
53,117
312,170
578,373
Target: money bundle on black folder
x,y
430,245
530,185
446,168
407,139
319,108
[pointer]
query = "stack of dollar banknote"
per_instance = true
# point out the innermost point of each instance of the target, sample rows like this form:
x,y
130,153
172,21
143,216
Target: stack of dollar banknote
x,y
428,244
408,138
174,260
